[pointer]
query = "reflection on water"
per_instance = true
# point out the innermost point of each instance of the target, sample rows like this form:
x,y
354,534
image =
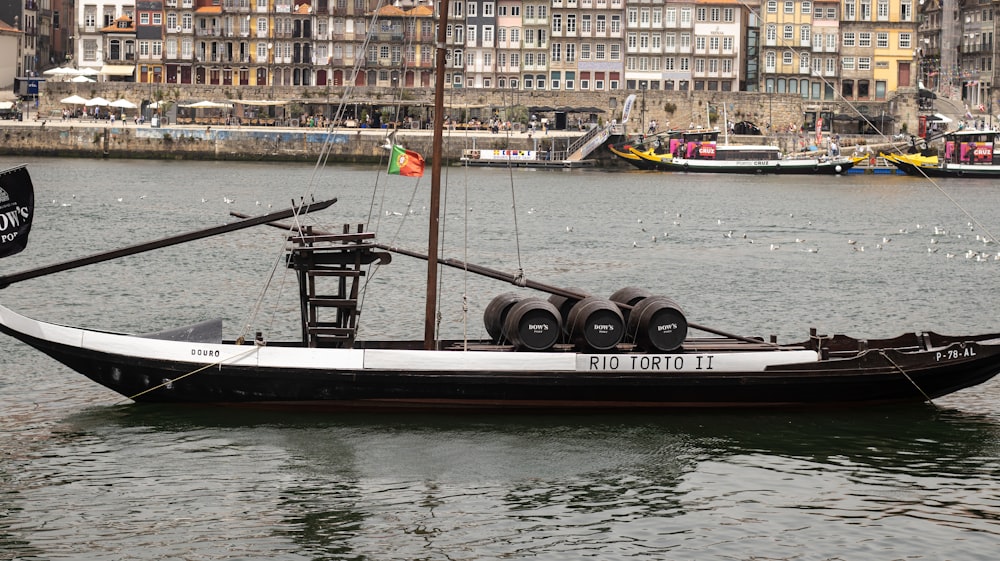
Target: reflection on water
x,y
84,477
222,484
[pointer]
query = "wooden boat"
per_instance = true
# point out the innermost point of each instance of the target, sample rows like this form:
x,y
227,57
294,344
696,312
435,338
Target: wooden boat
x,y
700,152
632,350
968,154
631,150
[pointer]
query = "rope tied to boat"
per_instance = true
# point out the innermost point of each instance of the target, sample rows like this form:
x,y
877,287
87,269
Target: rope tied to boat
x,y
166,383
904,373
519,278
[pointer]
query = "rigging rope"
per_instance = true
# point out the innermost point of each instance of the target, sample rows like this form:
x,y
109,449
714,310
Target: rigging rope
x,y
195,371
310,186
903,372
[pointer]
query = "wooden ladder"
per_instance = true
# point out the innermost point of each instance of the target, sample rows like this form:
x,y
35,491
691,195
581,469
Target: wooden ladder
x,y
333,262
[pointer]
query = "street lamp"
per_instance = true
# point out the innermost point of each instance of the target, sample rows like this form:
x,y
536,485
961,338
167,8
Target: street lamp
x,y
270,66
642,106
770,112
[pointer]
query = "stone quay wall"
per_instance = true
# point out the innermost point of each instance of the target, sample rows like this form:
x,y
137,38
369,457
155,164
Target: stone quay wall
x,y
678,108
102,140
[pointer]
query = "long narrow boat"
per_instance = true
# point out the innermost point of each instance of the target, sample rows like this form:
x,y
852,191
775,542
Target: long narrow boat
x,y
624,152
969,154
651,145
631,350
707,156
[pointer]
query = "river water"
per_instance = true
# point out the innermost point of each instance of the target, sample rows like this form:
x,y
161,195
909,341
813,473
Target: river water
x,y
85,475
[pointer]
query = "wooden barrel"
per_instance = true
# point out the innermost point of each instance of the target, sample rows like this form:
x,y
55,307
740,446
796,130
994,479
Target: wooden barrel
x,y
533,324
496,313
564,304
630,295
658,325
596,323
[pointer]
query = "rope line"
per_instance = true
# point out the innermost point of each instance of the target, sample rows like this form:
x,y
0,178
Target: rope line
x,y
193,372
904,373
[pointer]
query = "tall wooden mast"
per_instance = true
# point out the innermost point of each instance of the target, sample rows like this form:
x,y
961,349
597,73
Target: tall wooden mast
x,y
430,313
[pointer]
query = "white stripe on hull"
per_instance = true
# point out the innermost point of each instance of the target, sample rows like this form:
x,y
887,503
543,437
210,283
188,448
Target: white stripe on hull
x,y
398,360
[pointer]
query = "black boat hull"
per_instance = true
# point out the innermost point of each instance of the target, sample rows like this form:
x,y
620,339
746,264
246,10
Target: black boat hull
x,y
872,377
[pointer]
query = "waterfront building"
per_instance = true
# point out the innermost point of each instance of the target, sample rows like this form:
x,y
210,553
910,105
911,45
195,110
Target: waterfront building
x,y
480,43
601,41
149,35
819,50
508,44
348,30
118,42
10,46
825,58
976,54
101,25
878,42
718,37
25,16
534,45
787,46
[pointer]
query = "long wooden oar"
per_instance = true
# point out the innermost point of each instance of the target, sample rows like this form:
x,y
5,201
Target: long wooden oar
x,y
303,208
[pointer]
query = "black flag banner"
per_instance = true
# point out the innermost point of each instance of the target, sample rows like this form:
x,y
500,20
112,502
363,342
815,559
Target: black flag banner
x,y
17,206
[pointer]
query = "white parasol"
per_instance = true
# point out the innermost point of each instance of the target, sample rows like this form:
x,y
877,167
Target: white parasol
x,y
123,104
74,100
97,101
208,105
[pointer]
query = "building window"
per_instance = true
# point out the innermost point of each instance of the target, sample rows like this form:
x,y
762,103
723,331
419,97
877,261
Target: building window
x,y
906,10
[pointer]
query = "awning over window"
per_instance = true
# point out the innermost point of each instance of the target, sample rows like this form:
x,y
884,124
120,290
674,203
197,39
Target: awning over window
x,y
118,70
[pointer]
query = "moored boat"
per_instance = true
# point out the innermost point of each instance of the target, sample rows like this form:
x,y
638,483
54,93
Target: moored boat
x,y
562,349
968,154
700,152
632,151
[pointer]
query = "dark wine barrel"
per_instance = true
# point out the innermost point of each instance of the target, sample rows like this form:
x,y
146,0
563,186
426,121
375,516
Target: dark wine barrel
x,y
533,324
496,313
630,295
596,323
658,324
564,304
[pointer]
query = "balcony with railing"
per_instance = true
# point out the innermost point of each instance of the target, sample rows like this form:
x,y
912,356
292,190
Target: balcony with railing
x,y
978,48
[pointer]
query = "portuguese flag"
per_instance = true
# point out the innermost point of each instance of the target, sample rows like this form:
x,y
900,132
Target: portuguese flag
x,y
406,162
